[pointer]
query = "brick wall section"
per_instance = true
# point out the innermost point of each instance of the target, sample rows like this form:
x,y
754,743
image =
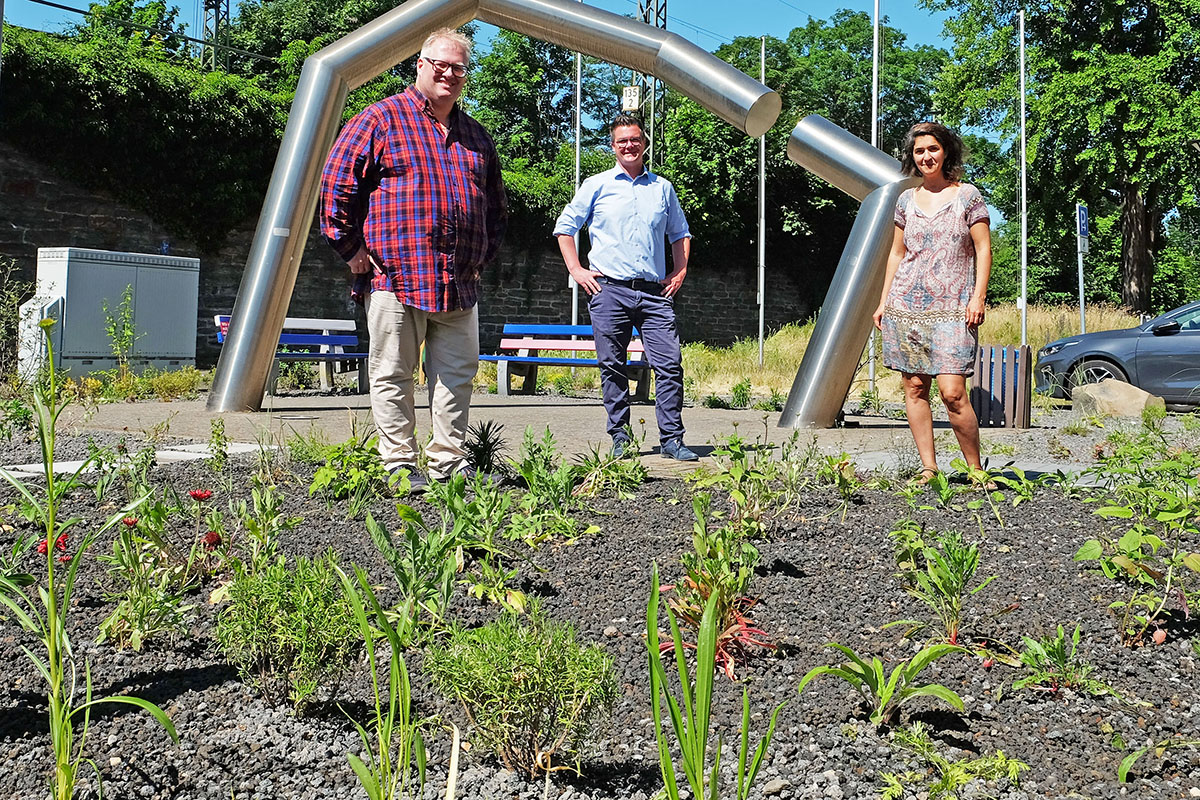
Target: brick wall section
x,y
40,209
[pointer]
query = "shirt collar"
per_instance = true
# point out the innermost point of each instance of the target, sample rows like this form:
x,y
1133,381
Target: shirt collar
x,y
422,102
620,173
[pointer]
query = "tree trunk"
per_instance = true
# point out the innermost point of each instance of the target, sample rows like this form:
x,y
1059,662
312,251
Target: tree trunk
x,y
1137,264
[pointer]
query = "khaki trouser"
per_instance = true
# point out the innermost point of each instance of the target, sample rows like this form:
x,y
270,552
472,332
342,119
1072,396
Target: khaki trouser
x,y
451,359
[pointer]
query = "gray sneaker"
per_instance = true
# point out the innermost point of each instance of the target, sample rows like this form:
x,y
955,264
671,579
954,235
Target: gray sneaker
x,y
417,482
676,449
622,447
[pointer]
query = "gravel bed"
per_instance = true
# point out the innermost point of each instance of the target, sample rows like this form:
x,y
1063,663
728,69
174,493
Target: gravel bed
x,y
826,574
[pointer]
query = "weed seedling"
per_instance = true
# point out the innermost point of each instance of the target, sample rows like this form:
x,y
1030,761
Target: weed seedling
x,y
943,777
884,693
1054,664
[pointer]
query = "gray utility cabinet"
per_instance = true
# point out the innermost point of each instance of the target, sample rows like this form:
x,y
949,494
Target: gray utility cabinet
x,y
74,285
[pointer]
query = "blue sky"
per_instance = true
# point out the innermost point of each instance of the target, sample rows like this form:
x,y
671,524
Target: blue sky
x,y
708,23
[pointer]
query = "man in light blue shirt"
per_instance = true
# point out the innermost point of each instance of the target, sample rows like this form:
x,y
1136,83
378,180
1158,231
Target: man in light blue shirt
x,y
629,212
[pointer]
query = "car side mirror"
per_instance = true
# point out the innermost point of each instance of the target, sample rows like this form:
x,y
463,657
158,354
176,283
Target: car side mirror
x,y
1165,328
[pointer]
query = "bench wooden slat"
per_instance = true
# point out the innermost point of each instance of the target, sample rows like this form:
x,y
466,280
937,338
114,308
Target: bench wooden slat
x,y
584,345
519,329
317,339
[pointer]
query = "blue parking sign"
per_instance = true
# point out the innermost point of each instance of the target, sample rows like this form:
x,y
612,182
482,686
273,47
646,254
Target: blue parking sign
x,y
1081,220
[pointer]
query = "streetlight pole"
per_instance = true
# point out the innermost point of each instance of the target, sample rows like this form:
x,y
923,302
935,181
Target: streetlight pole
x,y
762,213
1024,200
874,143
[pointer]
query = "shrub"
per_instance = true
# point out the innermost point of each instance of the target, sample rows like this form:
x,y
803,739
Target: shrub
x,y
532,691
288,630
182,383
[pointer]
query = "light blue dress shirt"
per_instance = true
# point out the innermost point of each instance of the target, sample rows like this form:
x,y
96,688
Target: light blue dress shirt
x,y
627,219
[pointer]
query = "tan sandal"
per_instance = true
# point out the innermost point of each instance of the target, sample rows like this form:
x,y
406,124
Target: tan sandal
x,y
927,474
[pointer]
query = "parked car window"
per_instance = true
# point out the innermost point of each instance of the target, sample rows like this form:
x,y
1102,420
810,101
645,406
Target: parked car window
x,y
1189,321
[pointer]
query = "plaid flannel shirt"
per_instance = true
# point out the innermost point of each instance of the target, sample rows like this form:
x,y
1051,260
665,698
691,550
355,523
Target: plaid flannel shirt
x,y
429,207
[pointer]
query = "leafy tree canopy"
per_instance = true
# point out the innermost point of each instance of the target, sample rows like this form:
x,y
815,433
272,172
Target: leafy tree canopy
x,y
1113,109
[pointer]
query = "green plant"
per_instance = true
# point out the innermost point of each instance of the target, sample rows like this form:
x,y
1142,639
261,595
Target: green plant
x,y
886,694
870,402
1053,665
260,522
394,744
16,417
1159,490
289,629
1159,749
602,475
774,402
47,617
120,331
715,401
747,473
718,572
424,564
534,694
1021,485
840,472
352,471
795,468
485,445
312,447
691,722
941,578
950,775
740,394
218,447
150,604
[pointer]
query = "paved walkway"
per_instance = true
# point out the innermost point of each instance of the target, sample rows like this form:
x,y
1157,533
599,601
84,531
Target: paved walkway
x,y
577,424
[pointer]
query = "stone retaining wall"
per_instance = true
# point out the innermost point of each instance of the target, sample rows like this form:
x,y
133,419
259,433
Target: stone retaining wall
x,y
38,208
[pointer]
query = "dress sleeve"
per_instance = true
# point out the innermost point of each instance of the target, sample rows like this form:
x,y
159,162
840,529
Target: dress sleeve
x,y
976,209
901,213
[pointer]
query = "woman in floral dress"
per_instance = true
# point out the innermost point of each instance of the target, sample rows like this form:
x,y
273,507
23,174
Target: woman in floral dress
x,y
935,288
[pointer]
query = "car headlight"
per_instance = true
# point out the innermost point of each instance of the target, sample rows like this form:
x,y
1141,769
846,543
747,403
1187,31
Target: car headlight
x,y
1051,349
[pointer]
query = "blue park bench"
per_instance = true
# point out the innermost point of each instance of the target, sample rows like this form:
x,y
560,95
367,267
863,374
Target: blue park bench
x,y
520,345
333,343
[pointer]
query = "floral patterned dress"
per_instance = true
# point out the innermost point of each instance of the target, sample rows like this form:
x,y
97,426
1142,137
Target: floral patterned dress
x,y
924,320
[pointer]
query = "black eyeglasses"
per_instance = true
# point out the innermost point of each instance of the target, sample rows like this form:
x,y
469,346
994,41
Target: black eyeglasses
x,y
457,70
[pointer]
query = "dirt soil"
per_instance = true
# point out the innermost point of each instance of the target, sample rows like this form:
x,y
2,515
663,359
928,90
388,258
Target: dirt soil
x,y
827,573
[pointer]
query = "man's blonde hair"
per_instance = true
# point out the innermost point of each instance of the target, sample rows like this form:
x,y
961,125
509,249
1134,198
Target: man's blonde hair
x,y
447,35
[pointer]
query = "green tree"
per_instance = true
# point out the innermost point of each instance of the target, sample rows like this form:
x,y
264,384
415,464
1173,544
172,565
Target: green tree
x,y
824,68
151,27
1113,106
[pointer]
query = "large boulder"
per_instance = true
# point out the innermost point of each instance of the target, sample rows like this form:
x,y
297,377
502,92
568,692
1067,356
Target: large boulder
x,y
1111,398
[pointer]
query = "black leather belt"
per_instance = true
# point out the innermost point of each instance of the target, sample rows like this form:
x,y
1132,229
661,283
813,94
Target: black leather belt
x,y
637,284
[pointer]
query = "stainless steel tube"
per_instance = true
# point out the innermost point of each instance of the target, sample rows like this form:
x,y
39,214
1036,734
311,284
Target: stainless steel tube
x,y
283,226
844,321
840,157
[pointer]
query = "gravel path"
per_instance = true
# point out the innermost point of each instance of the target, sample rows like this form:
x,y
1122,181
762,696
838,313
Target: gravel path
x,y
821,578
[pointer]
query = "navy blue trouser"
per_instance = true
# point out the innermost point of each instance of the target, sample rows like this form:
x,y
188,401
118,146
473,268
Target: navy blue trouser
x,y
615,310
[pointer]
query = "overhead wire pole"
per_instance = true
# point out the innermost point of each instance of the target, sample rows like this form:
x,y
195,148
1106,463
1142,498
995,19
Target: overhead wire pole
x,y
762,213
578,127
1024,198
874,143
652,91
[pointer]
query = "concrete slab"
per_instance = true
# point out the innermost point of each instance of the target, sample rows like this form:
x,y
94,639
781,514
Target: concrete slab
x,y
577,425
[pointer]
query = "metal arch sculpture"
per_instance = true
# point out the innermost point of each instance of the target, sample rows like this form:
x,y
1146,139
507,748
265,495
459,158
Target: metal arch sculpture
x,y
328,76
844,322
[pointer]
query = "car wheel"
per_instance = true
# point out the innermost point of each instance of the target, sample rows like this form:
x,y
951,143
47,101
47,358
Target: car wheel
x,y
1094,370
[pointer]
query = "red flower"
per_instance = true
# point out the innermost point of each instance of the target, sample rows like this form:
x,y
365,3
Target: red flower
x,y
130,521
64,558
200,494
212,540
59,544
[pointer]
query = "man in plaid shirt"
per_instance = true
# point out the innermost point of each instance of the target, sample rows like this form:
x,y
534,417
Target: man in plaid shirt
x,y
412,199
